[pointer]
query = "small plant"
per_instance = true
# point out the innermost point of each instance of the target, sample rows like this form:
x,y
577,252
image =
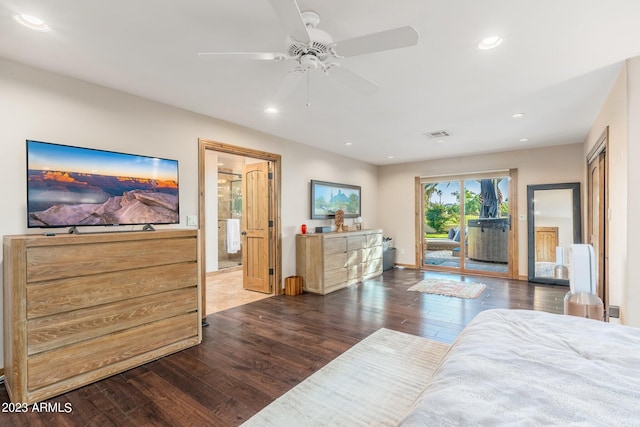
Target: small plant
x,y
386,242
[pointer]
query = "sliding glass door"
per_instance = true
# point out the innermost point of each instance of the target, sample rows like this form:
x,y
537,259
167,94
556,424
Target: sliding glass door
x,y
467,223
442,232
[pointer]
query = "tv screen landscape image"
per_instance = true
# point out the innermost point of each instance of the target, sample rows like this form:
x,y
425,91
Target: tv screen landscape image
x,y
74,186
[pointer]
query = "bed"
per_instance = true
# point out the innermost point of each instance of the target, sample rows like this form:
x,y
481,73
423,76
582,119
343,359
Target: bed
x,y
522,367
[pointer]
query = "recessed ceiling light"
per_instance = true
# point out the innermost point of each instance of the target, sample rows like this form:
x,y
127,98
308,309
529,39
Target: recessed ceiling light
x,y
271,110
440,141
490,42
348,143
518,115
32,22
524,139
390,157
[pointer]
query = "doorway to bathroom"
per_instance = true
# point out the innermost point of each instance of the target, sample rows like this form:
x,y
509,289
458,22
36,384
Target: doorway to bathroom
x,y
239,225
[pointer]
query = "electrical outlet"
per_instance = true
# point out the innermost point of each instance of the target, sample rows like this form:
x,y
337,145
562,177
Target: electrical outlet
x,y
192,220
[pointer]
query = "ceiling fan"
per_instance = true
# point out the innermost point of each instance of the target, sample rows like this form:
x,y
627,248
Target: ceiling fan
x,y
312,48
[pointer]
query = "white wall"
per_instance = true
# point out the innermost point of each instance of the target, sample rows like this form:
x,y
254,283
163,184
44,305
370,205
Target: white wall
x,y
549,165
35,104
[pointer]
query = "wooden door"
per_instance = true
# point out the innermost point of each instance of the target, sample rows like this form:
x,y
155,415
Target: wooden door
x,y
255,227
546,243
597,220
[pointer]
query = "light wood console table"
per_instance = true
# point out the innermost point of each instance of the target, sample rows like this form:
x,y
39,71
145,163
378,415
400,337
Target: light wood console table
x,y
331,261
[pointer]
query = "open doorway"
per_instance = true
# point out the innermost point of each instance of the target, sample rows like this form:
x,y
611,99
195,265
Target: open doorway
x,y
239,225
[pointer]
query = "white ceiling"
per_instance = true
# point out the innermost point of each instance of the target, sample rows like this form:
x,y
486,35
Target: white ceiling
x,y
558,61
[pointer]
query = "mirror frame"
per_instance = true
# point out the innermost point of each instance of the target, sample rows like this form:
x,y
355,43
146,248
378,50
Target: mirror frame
x,y
577,227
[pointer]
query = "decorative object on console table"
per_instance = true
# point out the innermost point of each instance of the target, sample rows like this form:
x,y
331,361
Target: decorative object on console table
x,y
332,261
339,221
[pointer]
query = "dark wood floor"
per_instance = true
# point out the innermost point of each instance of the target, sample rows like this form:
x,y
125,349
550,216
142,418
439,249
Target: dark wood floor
x,y
252,354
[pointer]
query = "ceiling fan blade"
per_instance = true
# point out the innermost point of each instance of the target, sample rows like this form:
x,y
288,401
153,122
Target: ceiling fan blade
x,y
353,80
264,56
289,14
289,83
376,42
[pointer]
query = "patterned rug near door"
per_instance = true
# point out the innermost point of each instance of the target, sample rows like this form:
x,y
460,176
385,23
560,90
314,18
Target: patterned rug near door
x,y
452,288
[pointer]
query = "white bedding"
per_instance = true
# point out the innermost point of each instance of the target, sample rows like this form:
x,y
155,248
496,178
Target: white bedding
x,y
521,367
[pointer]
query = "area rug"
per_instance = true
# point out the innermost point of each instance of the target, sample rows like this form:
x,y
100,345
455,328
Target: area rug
x,y
373,383
452,288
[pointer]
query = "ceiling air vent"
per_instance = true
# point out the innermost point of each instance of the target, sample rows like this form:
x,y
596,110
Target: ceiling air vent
x,y
438,134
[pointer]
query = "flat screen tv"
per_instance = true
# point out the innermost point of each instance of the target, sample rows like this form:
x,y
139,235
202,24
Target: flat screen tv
x,y
74,186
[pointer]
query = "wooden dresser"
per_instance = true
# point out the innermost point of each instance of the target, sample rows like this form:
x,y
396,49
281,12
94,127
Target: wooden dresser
x,y
331,261
79,308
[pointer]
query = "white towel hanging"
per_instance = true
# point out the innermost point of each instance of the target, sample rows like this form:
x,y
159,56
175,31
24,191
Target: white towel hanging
x,y
233,235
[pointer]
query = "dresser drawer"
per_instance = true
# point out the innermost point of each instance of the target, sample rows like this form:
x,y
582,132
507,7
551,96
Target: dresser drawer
x,y
335,261
335,245
373,267
356,242
372,253
374,239
355,271
355,257
335,277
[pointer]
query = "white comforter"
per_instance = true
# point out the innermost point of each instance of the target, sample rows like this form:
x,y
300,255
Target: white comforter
x,y
526,368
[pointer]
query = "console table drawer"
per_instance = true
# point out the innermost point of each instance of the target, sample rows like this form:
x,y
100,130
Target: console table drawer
x,y
374,239
335,245
372,253
335,277
356,242
335,261
355,257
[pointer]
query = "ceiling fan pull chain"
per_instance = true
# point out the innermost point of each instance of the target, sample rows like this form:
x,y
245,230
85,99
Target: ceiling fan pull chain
x,y
308,77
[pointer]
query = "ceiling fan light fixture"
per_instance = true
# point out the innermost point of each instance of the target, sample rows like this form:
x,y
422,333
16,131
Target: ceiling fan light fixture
x,y
490,42
32,22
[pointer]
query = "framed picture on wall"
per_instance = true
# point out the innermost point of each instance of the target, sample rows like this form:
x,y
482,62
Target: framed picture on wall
x,y
328,197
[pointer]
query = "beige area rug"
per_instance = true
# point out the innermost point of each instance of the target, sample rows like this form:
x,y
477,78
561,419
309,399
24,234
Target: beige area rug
x,y
452,288
373,383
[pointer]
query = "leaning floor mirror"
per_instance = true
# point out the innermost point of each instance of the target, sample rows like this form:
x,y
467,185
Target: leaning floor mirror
x,y
554,223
